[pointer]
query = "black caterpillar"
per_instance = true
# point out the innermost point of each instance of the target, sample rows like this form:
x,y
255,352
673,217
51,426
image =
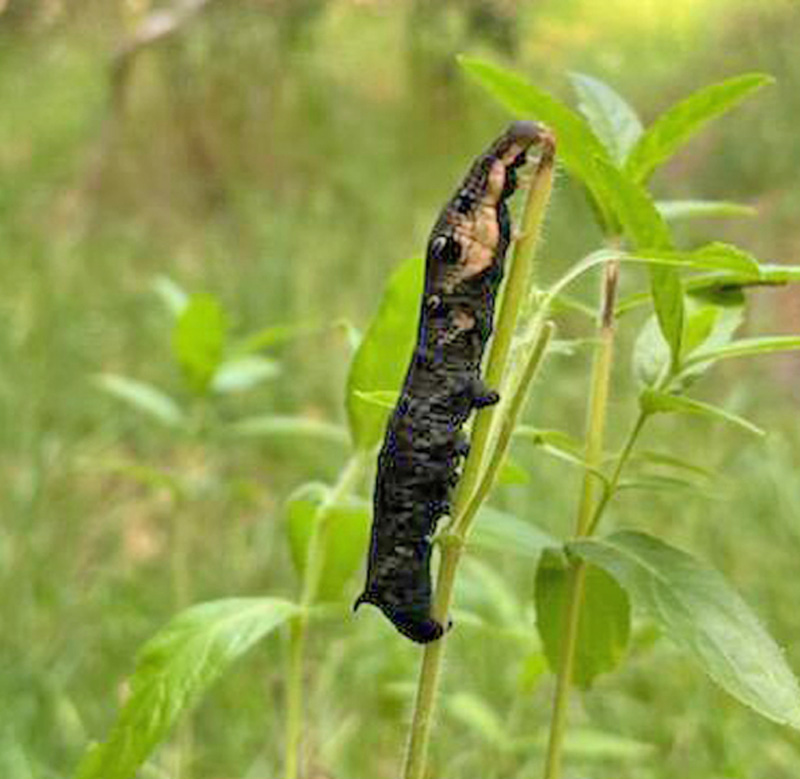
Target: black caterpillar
x,y
418,463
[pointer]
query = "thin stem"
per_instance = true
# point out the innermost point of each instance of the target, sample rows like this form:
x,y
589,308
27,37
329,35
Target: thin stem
x,y
513,296
595,430
519,277
315,561
613,482
507,425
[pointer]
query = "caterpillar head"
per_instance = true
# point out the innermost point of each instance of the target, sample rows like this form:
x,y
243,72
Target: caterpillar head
x,y
471,234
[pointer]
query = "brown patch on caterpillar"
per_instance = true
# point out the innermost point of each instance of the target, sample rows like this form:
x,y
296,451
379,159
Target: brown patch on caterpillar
x,y
478,232
463,319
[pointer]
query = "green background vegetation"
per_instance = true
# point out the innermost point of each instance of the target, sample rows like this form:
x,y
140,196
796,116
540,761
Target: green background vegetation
x,y
285,157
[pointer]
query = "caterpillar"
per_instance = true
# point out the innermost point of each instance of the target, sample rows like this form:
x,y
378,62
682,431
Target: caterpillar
x,y
424,443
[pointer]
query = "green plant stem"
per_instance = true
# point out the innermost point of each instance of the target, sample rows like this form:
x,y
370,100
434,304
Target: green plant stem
x,y
453,543
613,482
507,425
315,561
595,432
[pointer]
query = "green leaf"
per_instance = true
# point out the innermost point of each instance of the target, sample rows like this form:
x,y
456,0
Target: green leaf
x,y
698,610
199,339
174,297
503,532
677,210
635,209
559,445
274,425
672,461
243,373
348,525
595,745
382,398
577,144
655,402
605,620
380,363
173,670
678,124
747,347
645,229
769,274
611,117
143,397
713,318
651,355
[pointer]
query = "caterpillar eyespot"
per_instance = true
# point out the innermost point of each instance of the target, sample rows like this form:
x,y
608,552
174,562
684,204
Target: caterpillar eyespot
x,y
418,464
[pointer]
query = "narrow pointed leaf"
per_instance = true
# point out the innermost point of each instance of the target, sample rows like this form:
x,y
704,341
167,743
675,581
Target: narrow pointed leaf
x,y
380,362
174,297
143,397
700,612
243,373
612,118
173,671
577,144
655,402
274,425
679,210
678,124
747,347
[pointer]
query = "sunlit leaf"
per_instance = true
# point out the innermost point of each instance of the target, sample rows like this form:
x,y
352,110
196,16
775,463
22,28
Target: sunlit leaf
x,y
612,118
677,210
173,670
199,339
380,363
683,120
699,611
143,397
654,402
174,297
274,425
346,535
243,373
604,627
382,398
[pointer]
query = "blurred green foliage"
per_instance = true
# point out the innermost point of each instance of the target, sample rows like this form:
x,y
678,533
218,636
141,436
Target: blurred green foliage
x,y
285,157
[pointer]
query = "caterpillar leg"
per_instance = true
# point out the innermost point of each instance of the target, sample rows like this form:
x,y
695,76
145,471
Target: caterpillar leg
x,y
462,445
482,396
